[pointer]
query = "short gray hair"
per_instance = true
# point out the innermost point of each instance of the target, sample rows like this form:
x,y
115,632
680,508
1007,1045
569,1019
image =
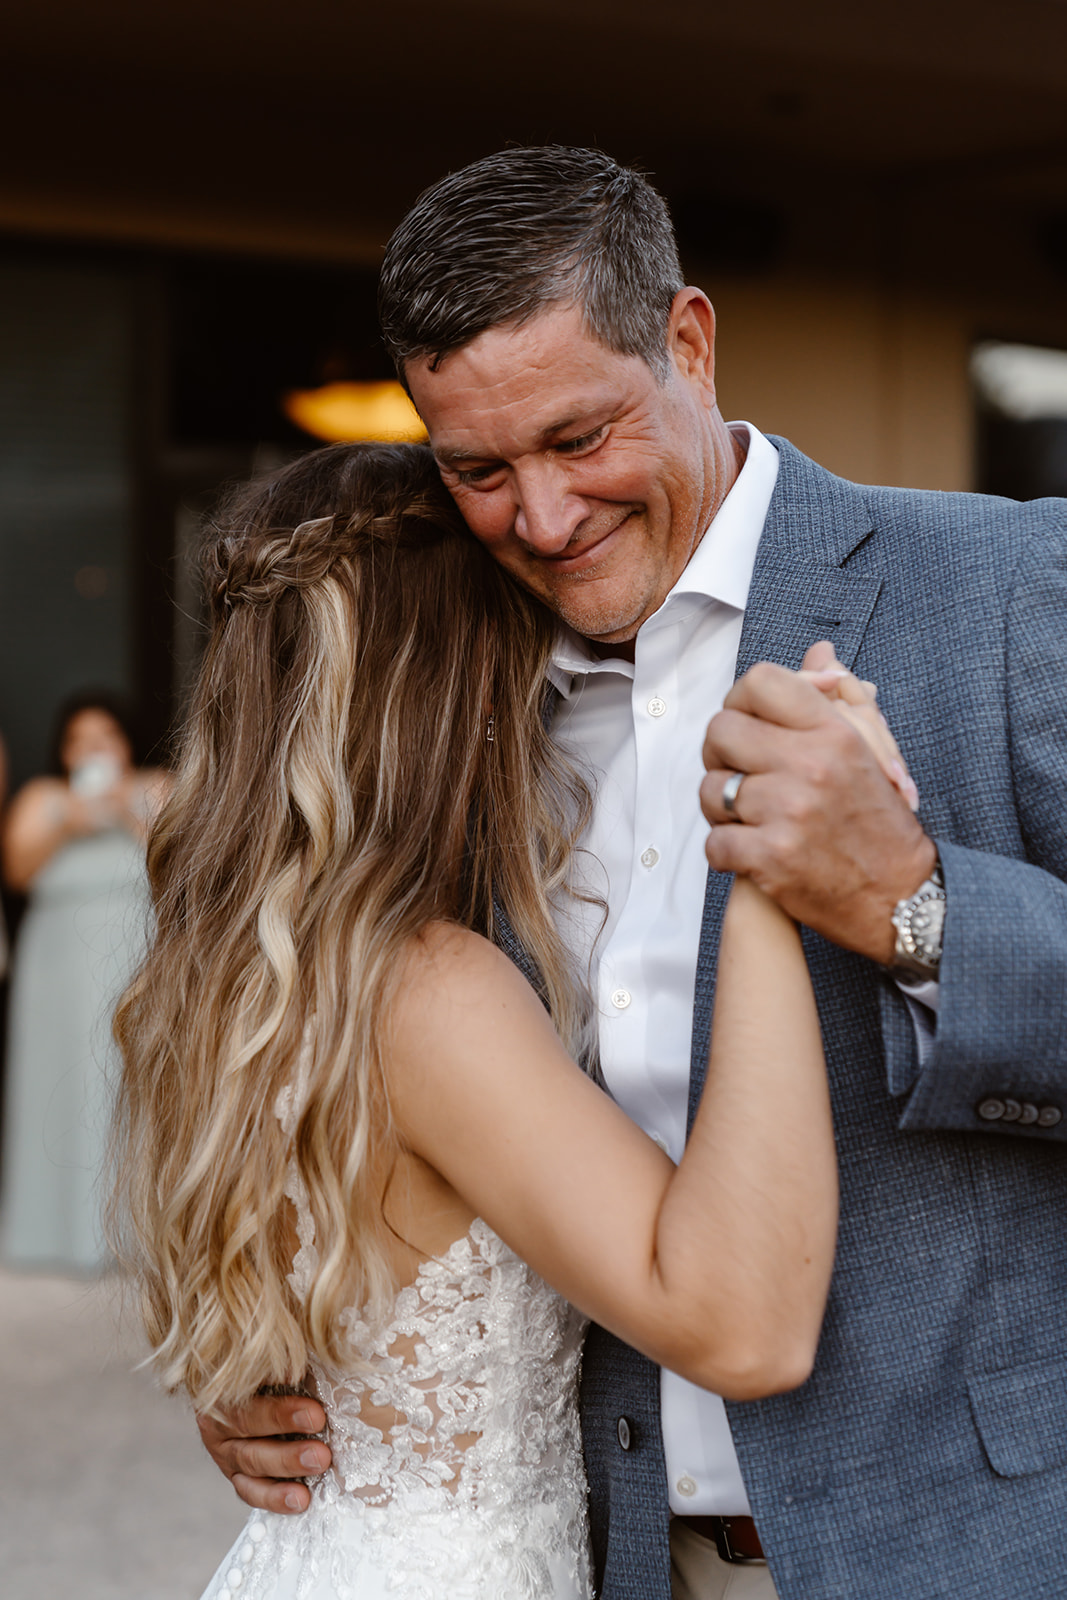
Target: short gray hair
x,y
522,230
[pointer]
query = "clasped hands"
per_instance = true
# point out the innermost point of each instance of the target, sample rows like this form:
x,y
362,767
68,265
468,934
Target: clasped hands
x,y
824,819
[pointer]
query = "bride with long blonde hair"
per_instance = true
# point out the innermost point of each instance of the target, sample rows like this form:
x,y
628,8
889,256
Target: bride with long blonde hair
x,y
353,1146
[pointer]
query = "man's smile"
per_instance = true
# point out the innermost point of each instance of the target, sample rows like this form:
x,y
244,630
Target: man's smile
x,y
578,563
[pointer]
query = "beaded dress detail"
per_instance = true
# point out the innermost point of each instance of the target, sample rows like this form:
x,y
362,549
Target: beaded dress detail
x,y
457,1456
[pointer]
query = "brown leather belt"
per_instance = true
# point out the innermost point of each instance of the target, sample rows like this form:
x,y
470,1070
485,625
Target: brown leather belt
x,y
735,1538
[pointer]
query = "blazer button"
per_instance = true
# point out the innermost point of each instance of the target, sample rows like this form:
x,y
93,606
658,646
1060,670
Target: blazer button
x,y
990,1110
623,1431
1049,1116
1012,1110
1029,1114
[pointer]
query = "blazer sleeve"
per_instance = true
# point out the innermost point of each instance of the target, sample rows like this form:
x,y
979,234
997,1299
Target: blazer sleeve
x,y
999,1059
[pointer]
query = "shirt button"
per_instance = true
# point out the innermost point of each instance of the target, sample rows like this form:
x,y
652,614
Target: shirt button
x,y
658,1139
621,999
650,856
686,1487
656,706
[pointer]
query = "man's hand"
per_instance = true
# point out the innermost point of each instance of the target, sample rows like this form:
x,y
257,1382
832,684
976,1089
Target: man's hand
x,y
255,1449
825,831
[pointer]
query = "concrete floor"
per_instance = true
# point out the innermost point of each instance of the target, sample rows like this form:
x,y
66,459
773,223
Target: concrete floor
x,y
105,1490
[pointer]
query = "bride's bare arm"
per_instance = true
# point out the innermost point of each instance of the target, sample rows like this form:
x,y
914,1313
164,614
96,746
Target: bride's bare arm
x,y
717,1269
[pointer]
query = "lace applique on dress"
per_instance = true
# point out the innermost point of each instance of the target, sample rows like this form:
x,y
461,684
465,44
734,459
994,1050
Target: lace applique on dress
x,y
457,1455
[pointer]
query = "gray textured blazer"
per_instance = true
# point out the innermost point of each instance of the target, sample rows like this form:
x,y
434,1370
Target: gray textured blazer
x,y
927,1454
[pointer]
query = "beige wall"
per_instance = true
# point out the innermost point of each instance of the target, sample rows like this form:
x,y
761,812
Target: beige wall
x,y
872,384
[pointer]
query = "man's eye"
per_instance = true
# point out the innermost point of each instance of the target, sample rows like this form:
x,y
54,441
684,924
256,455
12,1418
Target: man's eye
x,y
583,442
476,474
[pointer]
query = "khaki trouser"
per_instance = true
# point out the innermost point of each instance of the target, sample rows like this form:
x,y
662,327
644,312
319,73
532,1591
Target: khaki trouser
x,y
697,1573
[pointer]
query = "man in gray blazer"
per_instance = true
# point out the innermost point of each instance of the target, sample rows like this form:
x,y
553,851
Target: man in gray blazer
x,y
536,310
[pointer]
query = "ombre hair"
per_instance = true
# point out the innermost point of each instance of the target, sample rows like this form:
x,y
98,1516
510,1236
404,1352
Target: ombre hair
x,y
366,752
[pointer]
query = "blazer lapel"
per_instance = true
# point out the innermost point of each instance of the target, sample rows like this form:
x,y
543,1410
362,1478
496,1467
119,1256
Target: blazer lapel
x,y
794,601
800,589
800,592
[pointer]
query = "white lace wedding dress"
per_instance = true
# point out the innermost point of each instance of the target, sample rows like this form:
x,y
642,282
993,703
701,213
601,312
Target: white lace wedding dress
x,y
457,1457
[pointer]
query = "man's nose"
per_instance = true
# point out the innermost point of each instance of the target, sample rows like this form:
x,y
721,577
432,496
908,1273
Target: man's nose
x,y
547,513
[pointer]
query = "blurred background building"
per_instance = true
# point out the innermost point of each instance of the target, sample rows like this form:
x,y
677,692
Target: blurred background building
x,y
194,200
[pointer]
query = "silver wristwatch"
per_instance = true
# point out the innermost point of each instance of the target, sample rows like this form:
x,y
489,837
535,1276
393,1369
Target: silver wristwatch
x,y
920,925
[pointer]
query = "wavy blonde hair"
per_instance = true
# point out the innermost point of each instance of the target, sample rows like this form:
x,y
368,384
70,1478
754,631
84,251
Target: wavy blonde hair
x,y
336,791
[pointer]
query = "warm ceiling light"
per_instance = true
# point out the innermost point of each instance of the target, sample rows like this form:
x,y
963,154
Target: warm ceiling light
x,y
346,411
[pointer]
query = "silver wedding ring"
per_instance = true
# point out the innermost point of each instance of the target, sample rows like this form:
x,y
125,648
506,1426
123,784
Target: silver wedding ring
x,y
729,794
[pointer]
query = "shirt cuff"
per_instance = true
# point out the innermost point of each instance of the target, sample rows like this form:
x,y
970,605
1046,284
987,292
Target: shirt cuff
x,y
923,999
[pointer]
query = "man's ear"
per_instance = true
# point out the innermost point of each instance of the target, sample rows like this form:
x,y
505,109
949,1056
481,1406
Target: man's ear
x,y
691,339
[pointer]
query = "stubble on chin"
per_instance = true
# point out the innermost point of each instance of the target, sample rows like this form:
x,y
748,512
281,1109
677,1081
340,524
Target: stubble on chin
x,y
607,620
594,602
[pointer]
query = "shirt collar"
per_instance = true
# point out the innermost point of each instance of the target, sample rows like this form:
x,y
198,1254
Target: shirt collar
x,y
720,568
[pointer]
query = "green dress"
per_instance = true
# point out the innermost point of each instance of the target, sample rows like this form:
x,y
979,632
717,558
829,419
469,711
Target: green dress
x,y
82,935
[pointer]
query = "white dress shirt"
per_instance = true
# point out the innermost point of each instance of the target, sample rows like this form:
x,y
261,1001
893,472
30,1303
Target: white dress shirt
x,y
637,730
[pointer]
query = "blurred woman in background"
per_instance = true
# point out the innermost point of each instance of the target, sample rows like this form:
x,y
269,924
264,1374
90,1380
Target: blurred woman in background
x,y
73,841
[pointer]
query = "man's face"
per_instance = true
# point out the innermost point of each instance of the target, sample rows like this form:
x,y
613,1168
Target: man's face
x,y
587,478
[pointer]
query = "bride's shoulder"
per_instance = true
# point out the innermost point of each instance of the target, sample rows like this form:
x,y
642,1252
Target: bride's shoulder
x,y
450,977
444,955
462,1020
